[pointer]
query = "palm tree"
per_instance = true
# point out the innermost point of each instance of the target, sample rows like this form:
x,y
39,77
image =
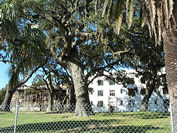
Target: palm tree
x,y
161,18
24,49
10,88
14,82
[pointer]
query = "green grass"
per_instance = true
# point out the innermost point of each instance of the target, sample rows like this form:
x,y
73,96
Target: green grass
x,y
127,122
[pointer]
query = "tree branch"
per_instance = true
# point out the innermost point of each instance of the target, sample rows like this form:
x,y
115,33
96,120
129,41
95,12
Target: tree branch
x,y
30,75
118,53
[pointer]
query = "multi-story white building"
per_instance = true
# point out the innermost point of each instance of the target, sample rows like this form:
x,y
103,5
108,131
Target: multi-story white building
x,y
109,96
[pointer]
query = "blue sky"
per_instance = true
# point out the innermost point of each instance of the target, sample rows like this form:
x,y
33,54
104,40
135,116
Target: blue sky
x,y
4,74
4,78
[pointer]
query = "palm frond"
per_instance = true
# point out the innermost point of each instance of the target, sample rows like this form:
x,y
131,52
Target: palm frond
x,y
142,16
118,9
127,4
105,7
109,10
159,21
96,7
170,8
166,12
130,5
149,27
152,10
155,13
118,24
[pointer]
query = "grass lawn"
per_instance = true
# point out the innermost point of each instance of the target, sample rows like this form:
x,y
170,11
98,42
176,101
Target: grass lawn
x,y
127,122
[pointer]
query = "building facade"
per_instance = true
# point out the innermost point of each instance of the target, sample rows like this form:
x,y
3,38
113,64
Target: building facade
x,y
107,96
30,99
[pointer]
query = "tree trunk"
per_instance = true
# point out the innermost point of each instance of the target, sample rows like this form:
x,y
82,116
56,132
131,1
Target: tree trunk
x,y
72,99
50,102
83,106
170,49
146,98
5,106
144,106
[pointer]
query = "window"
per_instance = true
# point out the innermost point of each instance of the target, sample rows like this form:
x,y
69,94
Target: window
x,y
121,102
111,108
131,103
155,101
100,82
91,90
111,82
100,92
100,104
165,91
91,102
112,93
21,95
166,102
33,98
121,91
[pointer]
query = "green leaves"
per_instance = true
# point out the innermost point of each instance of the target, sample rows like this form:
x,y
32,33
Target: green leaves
x,y
7,9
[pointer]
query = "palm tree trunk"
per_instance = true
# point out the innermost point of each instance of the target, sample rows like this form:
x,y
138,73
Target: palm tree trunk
x,y
5,106
170,49
83,106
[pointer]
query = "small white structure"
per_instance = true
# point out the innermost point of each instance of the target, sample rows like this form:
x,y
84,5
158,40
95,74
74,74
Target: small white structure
x,y
107,96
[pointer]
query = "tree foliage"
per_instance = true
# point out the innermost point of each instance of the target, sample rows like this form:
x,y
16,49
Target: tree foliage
x,y
79,35
158,15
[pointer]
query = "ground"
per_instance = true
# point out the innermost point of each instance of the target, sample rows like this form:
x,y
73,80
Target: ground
x,y
127,122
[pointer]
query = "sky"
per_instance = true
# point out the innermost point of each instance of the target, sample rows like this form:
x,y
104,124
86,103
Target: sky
x,y
3,74
4,78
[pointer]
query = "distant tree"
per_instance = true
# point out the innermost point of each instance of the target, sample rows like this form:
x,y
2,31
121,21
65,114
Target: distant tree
x,y
150,69
2,94
151,72
52,77
148,61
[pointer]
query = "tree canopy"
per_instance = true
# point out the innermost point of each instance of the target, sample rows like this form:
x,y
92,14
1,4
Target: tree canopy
x,y
80,36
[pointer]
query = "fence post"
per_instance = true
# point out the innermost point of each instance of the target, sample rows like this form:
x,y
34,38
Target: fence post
x,y
171,114
16,113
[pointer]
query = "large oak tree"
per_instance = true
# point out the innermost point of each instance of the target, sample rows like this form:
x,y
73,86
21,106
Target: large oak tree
x,y
71,35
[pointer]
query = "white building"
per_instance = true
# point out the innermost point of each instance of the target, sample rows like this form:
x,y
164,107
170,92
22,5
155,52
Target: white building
x,y
108,96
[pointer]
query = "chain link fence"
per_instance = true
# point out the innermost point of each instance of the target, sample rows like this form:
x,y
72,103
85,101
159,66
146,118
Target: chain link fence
x,y
61,119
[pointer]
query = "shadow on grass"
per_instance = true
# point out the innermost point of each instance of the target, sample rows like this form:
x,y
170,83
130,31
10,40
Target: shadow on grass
x,y
90,126
140,115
